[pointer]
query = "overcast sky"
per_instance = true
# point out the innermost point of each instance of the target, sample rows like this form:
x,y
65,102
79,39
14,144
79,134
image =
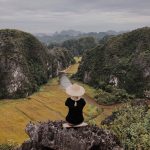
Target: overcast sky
x,y
48,16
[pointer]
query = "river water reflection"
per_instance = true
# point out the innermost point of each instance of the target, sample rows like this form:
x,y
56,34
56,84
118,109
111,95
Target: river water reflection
x,y
64,80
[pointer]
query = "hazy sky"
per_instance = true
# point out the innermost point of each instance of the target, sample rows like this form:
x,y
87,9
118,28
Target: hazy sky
x,y
49,16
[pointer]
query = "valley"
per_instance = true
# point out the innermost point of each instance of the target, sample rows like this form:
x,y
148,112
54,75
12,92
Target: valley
x,y
46,104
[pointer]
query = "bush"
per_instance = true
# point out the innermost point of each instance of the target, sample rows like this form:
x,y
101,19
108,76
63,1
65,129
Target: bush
x,y
132,126
112,95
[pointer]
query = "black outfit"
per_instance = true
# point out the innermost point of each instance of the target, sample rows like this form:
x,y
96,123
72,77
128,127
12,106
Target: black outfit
x,y
75,114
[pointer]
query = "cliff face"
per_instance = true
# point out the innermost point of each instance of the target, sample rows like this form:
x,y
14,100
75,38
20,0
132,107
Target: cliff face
x,y
51,136
25,64
123,60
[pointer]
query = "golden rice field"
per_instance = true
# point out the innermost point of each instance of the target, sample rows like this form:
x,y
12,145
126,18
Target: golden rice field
x,y
47,103
73,68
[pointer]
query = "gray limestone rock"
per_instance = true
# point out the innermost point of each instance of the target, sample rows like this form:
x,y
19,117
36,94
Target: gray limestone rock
x,y
51,136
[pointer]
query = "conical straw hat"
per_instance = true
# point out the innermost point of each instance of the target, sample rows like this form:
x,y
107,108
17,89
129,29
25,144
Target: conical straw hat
x,y
75,90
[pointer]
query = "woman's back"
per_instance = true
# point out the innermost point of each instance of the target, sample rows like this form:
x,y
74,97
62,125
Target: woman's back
x,y
75,113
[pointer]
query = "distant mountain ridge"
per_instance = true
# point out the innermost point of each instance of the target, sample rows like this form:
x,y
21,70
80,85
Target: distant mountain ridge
x,y
69,32
59,37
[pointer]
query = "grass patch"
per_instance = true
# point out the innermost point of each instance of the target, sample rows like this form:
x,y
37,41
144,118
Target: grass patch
x,y
10,145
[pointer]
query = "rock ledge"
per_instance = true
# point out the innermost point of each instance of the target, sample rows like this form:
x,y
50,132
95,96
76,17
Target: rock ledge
x,y
51,136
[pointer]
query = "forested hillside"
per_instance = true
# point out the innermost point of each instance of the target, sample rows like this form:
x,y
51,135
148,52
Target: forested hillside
x,y
122,61
78,47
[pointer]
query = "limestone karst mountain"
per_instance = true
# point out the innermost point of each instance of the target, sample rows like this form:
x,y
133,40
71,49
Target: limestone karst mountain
x,y
123,60
25,63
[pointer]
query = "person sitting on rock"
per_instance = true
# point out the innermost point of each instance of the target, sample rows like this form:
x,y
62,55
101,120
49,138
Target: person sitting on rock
x,y
75,103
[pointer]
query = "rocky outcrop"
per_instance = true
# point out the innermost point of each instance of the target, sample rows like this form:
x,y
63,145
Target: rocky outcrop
x,y
51,136
113,80
25,63
87,77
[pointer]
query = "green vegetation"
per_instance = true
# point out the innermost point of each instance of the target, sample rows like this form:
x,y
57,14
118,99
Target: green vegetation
x,y
77,47
122,61
111,95
132,127
8,146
